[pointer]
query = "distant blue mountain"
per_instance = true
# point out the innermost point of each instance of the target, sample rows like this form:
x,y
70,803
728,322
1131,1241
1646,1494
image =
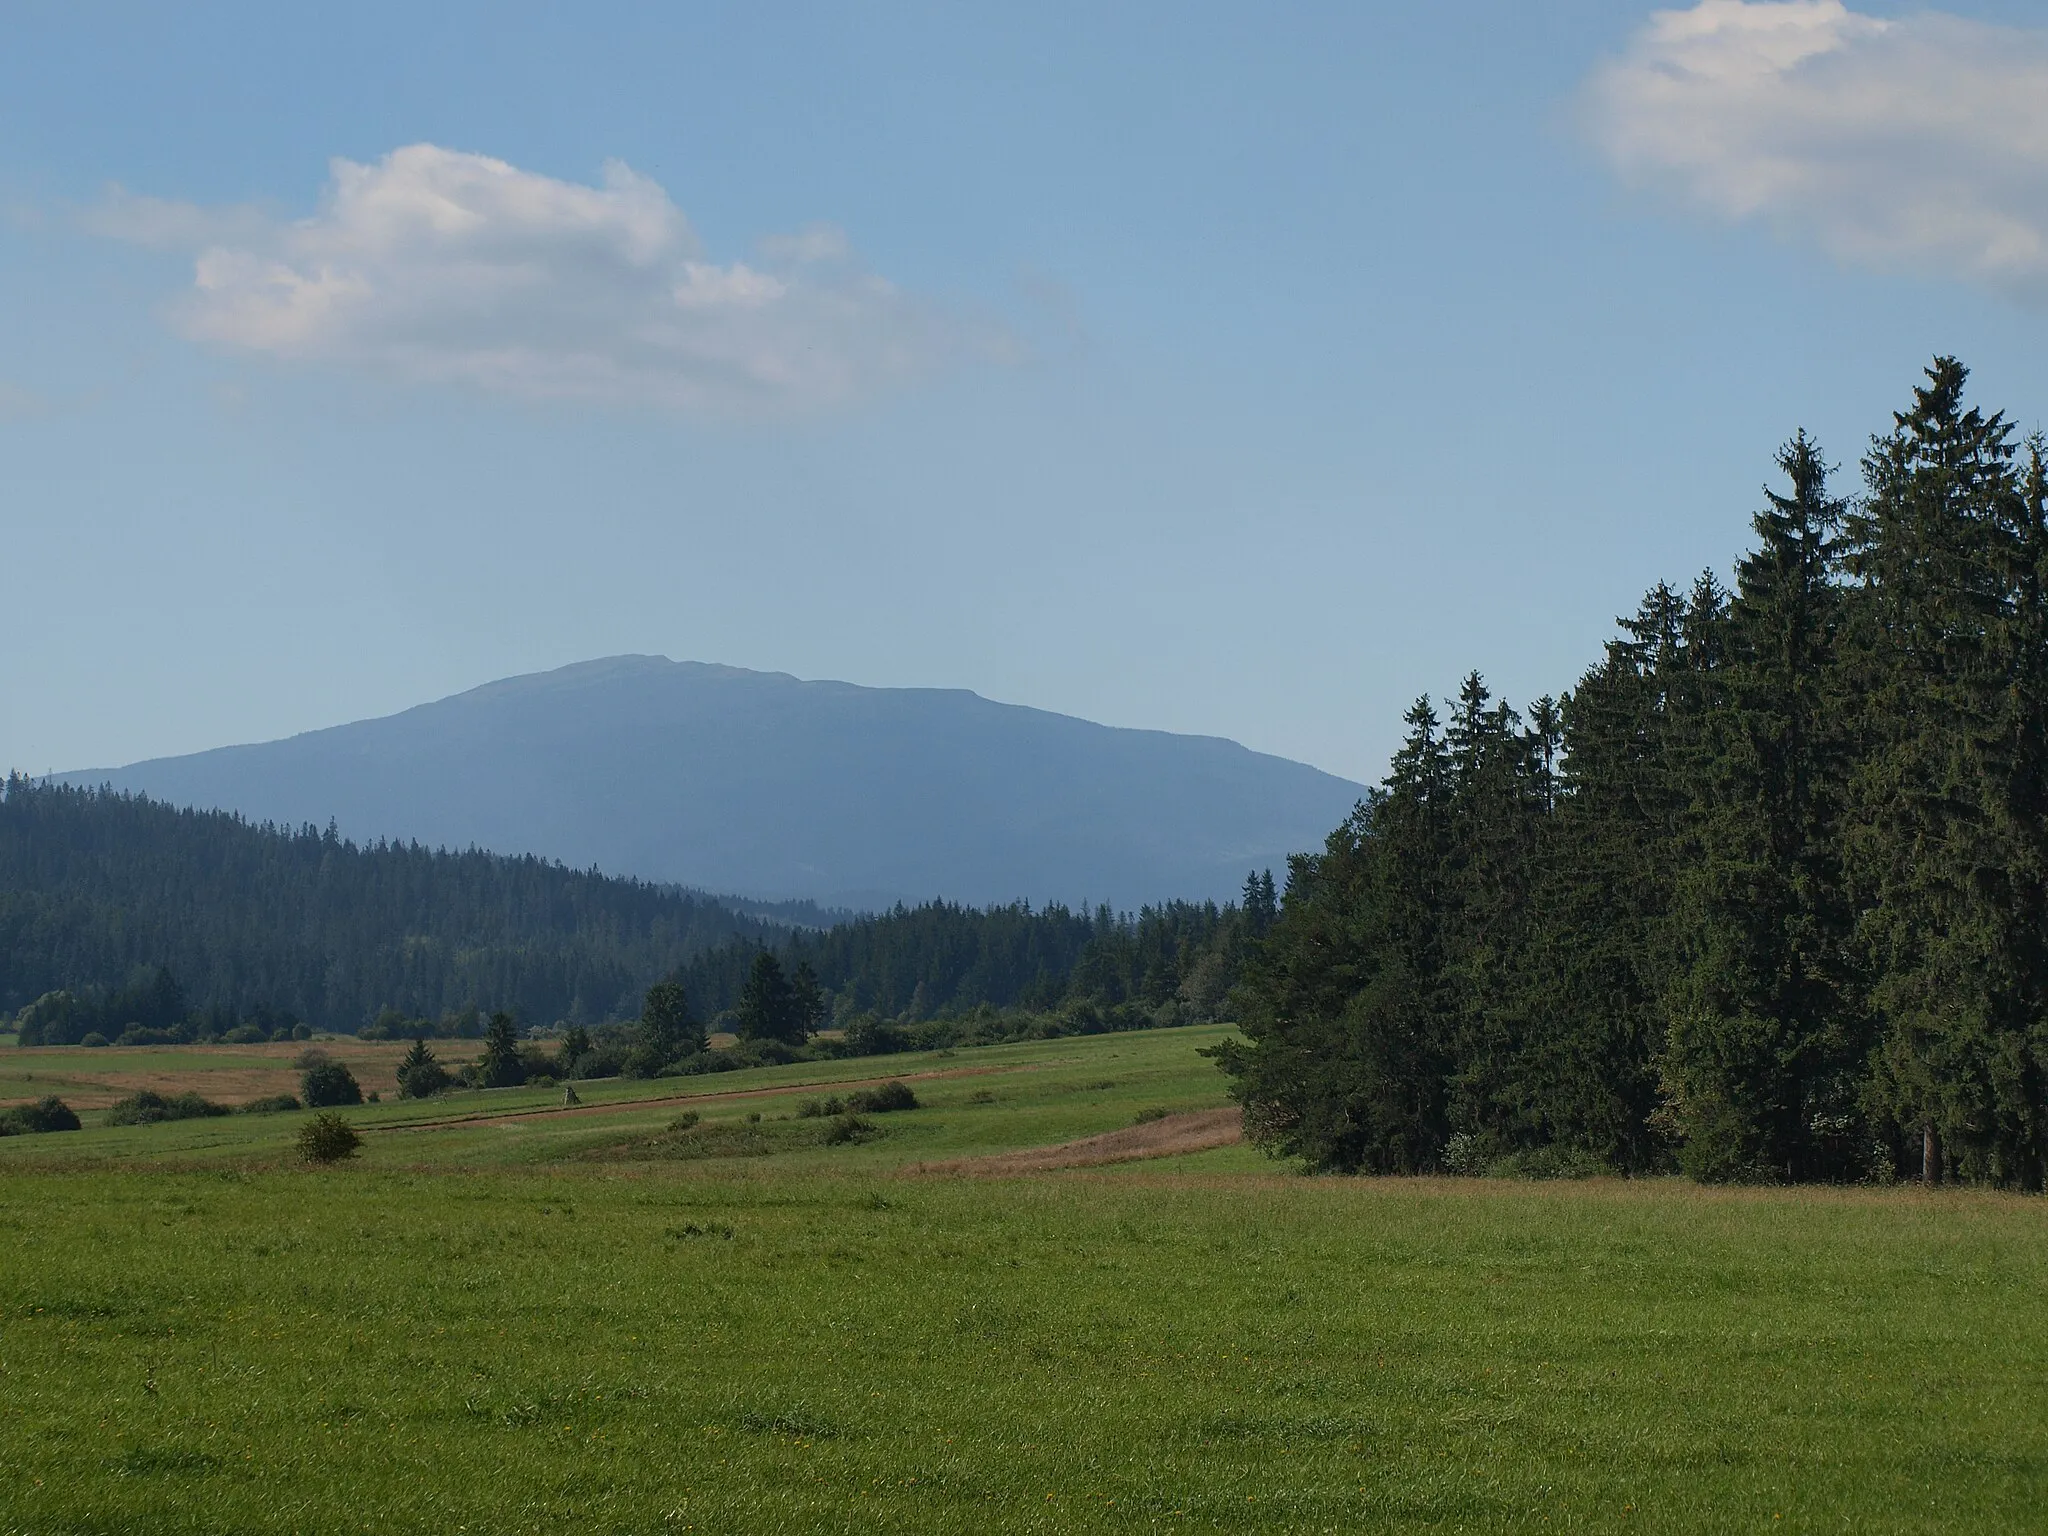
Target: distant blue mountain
x,y
764,785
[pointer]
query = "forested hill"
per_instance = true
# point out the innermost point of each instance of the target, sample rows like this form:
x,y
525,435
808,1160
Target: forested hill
x,y
96,888
766,785
1766,896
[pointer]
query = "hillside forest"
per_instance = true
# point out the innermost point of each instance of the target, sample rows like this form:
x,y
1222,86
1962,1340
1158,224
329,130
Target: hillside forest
x,y
126,919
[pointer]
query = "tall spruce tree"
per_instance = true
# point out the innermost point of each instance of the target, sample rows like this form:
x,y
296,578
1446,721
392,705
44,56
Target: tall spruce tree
x,y
1763,1048
1943,842
1347,1018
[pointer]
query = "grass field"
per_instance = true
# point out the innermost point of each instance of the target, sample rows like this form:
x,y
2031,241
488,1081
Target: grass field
x,y
506,1318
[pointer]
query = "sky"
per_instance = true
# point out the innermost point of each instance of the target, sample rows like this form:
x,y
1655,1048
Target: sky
x,y
1238,370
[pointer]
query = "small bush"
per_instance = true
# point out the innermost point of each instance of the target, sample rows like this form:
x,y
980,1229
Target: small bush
x,y
271,1104
888,1097
981,1096
850,1128
135,1034
245,1034
599,1061
815,1109
326,1083
145,1107
685,1120
1465,1155
46,1114
1147,1116
328,1139
423,1081
95,1040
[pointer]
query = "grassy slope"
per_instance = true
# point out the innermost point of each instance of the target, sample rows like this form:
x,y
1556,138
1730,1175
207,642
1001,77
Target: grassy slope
x,y
490,1323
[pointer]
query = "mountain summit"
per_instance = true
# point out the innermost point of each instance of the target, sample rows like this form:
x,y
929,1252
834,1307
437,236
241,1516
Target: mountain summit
x,y
762,784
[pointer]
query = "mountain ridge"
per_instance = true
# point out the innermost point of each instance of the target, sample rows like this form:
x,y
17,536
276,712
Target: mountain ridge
x,y
776,787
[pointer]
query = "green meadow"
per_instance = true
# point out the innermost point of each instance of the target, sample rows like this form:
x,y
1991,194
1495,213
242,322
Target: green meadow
x,y
503,1318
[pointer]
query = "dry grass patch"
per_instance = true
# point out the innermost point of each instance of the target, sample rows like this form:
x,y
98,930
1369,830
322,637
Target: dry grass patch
x,y
1166,1136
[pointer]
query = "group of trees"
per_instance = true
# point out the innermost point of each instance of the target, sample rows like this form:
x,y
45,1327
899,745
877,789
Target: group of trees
x,y
1765,896
1175,961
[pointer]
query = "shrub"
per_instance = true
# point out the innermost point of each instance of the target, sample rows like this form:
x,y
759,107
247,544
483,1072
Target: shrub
x,y
95,1040
892,1095
327,1139
606,1059
849,1128
813,1109
272,1104
46,1114
245,1034
325,1083
135,1034
146,1107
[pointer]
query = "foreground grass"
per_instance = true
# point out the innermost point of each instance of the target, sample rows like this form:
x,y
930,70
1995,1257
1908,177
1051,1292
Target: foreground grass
x,y
824,1341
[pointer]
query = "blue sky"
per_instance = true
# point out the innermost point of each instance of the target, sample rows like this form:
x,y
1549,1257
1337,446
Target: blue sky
x,y
1236,370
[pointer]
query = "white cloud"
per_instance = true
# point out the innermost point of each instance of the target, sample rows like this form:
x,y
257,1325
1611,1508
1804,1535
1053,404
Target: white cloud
x,y
1918,144
439,265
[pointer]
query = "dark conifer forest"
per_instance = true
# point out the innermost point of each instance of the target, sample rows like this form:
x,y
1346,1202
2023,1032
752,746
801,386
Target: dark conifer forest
x,y
133,920
1176,961
184,921
1765,896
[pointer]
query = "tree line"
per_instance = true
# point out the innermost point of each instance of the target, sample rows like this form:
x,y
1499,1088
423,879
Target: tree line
x,y
1763,897
123,912
124,919
1169,963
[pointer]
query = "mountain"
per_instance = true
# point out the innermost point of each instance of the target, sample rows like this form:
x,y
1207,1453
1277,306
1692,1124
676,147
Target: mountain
x,y
762,784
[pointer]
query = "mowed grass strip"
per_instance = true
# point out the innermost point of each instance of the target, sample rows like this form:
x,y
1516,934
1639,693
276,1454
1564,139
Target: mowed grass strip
x,y
772,1348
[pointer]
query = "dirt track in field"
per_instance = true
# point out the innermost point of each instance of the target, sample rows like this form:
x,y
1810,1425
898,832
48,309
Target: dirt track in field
x,y
1169,1136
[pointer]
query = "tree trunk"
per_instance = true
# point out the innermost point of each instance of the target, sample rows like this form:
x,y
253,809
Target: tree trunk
x,y
1930,1156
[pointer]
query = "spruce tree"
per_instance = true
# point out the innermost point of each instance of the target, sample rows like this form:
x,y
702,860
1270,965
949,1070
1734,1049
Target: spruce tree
x,y
1759,1063
500,1066
1943,840
668,1032
767,1004
1346,1017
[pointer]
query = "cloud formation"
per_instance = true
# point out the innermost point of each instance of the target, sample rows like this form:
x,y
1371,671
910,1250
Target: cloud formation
x,y
439,265
1918,144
